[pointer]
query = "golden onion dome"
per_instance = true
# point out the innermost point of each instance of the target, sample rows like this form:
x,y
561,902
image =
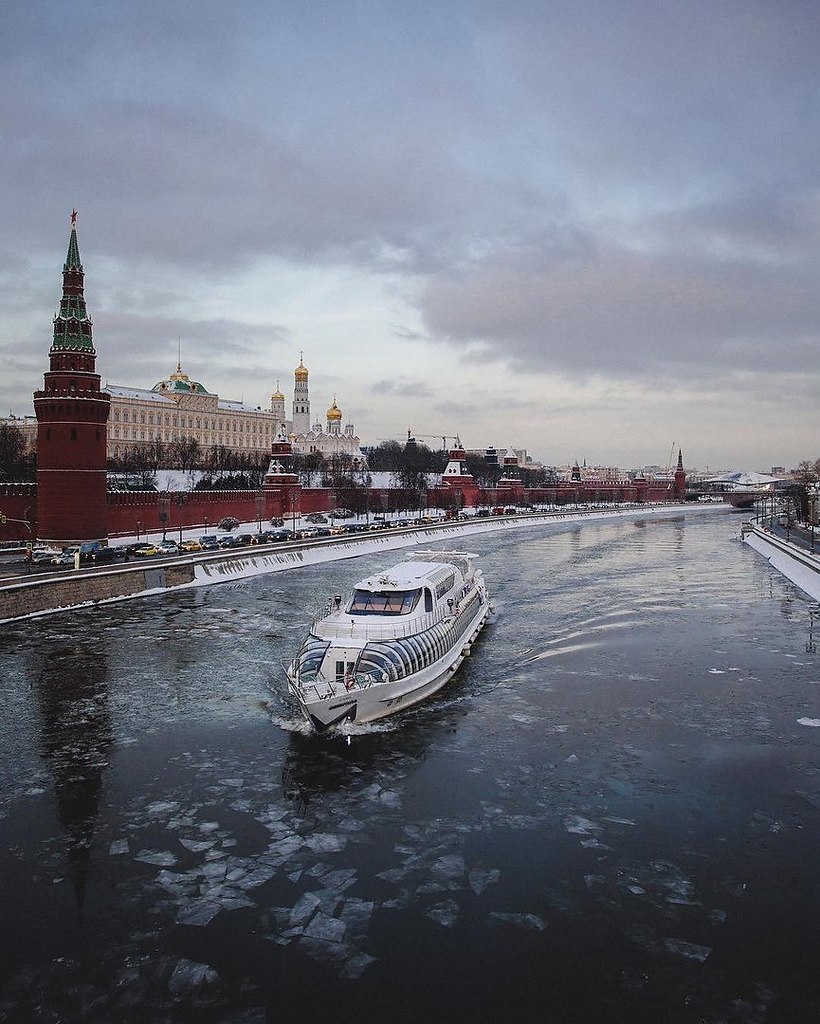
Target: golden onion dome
x,y
334,412
301,371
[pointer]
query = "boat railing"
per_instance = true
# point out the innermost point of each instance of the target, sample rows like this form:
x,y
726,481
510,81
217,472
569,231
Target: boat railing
x,y
335,624
319,687
339,625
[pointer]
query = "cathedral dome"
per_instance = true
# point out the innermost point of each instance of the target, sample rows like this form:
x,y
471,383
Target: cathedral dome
x,y
181,384
301,371
334,412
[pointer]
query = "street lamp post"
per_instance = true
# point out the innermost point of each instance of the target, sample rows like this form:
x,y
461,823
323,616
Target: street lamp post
x,y
260,508
180,502
293,513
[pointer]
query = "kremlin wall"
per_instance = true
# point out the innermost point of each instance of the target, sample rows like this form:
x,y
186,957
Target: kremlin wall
x,y
76,433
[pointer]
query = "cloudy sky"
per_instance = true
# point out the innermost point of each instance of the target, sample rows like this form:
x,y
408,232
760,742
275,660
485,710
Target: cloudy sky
x,y
590,228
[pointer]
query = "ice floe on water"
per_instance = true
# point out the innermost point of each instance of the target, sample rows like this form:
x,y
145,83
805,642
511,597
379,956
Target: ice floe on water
x,y
688,950
162,858
813,723
529,922
189,978
445,914
578,825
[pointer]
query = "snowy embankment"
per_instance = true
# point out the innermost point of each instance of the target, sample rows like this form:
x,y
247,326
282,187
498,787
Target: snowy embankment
x,y
85,589
799,566
253,564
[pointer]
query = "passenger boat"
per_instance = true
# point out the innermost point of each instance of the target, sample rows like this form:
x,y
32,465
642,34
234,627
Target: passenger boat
x,y
397,639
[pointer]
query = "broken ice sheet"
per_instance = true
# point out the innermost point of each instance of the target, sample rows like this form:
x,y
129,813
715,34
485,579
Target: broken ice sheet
x,y
178,884
689,950
530,922
322,926
480,878
580,826
324,842
341,879
189,977
303,909
594,844
160,807
356,966
258,876
445,914
451,866
160,858
118,846
356,915
197,845
328,952
198,913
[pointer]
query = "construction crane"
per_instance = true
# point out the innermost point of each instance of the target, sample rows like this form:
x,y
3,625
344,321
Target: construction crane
x,y
444,437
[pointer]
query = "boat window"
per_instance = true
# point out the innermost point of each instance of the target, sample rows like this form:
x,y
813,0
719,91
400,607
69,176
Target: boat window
x,y
344,668
445,584
428,600
310,658
383,602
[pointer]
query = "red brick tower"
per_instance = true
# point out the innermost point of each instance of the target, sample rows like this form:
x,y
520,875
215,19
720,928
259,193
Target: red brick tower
x,y
72,414
281,485
680,479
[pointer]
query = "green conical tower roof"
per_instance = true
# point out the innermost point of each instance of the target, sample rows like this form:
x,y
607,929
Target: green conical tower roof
x,y
72,326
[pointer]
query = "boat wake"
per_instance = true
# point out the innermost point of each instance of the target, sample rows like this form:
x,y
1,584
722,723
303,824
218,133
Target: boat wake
x,y
297,724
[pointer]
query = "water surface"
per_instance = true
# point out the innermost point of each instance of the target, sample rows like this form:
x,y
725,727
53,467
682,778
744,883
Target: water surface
x,y
612,814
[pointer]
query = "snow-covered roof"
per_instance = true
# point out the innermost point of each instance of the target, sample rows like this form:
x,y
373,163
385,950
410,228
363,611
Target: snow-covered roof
x,y
236,406
745,479
143,394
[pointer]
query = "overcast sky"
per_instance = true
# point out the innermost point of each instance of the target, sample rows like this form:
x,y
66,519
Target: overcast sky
x,y
590,228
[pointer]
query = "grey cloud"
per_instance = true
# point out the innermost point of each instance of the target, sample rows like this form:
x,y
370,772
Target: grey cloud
x,y
402,388
139,350
629,315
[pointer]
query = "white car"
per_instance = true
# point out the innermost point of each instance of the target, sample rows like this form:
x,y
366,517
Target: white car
x,y
168,547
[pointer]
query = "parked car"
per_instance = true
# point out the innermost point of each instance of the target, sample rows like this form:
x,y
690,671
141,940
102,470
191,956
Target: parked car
x,y
168,547
65,557
341,513
190,545
229,541
263,537
209,543
104,555
243,539
41,556
147,551
280,535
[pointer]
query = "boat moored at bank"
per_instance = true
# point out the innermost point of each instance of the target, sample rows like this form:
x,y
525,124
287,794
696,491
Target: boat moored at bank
x,y
396,640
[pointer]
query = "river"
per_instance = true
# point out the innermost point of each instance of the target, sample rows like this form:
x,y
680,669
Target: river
x,y
612,814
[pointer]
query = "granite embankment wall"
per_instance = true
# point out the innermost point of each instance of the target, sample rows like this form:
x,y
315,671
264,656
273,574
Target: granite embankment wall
x,y
30,597
48,593
796,564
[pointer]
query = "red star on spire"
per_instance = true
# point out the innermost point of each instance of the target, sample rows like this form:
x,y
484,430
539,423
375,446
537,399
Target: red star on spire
x,y
74,218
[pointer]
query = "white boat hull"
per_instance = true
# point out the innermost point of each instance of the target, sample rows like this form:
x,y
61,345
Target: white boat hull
x,y
378,700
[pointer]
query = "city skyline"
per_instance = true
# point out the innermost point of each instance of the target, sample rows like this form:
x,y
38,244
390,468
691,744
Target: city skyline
x,y
588,230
